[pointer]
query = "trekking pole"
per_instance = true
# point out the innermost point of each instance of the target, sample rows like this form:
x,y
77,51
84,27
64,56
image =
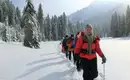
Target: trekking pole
x,y
104,71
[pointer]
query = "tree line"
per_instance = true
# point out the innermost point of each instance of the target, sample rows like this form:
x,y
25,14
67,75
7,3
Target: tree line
x,y
51,27
120,24
55,27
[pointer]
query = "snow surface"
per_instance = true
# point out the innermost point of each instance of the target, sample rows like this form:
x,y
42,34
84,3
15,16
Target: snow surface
x,y
48,63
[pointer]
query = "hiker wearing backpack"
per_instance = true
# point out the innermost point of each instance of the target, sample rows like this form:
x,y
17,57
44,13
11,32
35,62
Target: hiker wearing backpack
x,y
86,47
64,45
70,47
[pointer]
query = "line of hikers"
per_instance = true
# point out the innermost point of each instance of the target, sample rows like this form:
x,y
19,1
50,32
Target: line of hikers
x,y
84,47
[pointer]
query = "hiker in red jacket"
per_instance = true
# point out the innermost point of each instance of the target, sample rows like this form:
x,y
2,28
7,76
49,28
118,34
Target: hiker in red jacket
x,y
86,47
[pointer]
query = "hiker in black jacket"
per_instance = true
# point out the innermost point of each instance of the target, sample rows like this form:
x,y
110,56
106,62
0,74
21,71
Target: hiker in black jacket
x,y
65,45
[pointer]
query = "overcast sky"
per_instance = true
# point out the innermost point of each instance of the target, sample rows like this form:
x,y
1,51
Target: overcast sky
x,y
56,6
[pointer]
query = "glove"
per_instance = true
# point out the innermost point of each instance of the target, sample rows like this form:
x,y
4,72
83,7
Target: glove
x,y
103,59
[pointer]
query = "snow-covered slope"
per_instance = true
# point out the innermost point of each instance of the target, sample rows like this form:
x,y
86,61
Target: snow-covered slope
x,y
99,12
20,63
47,63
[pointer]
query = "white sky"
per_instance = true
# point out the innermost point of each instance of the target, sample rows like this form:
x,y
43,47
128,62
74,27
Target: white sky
x,y
57,6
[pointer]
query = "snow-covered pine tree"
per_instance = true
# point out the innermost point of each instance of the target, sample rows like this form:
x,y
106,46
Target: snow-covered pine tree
x,y
18,22
48,28
5,10
18,16
52,24
96,30
78,26
40,20
1,13
3,32
70,28
114,25
128,20
64,24
30,25
112,28
11,14
54,28
45,28
4,18
60,28
123,26
119,26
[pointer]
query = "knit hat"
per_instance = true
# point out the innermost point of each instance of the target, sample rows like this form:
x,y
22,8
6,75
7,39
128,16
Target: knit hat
x,y
66,36
89,26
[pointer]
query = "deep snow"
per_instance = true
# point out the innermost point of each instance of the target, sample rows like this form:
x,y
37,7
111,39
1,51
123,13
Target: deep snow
x,y
48,63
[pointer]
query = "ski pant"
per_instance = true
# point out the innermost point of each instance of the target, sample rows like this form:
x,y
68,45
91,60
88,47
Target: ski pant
x,y
89,69
69,54
66,51
78,64
74,57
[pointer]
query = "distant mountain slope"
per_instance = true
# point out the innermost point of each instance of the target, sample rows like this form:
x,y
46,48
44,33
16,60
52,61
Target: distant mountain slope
x,y
99,12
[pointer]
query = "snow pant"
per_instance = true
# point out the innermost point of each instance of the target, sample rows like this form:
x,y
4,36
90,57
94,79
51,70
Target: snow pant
x,y
66,51
89,69
78,62
69,54
79,65
74,57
